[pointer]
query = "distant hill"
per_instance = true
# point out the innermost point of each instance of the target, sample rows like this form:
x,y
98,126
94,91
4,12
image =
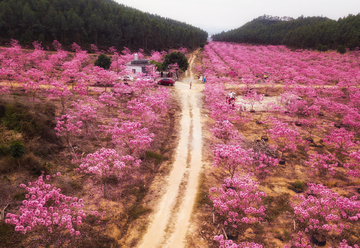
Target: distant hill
x,y
101,22
304,32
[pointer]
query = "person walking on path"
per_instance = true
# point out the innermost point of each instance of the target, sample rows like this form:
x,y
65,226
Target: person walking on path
x,y
190,84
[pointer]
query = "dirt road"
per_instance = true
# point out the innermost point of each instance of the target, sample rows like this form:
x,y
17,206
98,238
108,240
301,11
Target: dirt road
x,y
170,221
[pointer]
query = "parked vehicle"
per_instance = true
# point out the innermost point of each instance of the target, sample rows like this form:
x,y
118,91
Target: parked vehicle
x,y
126,78
146,78
167,81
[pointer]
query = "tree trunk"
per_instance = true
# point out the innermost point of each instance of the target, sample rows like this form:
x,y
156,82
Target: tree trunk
x,y
104,189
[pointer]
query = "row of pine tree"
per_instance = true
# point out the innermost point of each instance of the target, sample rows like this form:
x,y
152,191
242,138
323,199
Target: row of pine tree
x,y
101,22
319,33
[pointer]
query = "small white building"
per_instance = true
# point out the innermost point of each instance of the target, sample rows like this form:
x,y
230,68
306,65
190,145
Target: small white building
x,y
138,65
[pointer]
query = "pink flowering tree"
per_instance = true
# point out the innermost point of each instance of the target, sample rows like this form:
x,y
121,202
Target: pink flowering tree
x,y
108,100
263,164
126,55
56,59
157,56
13,61
67,126
105,163
344,244
311,111
5,75
286,138
352,120
354,165
355,98
225,131
103,77
45,209
299,240
149,107
119,61
4,89
292,104
83,83
288,101
341,141
36,58
299,109
238,203
173,68
323,212
252,97
94,48
183,50
231,158
142,86
59,91
151,71
309,126
225,243
322,164
73,70
337,110
32,81
215,96
86,113
130,136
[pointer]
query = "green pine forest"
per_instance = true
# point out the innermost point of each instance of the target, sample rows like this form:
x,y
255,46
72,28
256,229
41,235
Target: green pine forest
x,y
101,22
319,33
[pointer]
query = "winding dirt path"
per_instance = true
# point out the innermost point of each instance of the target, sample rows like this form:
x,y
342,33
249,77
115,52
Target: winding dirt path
x,y
171,219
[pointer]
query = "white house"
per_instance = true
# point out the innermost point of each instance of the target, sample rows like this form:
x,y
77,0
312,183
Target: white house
x,y
138,65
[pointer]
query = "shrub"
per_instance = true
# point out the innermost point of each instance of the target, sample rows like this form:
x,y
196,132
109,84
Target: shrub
x,y
154,155
4,150
298,185
178,58
17,149
103,61
19,196
18,118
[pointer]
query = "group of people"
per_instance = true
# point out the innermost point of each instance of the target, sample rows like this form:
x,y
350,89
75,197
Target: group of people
x,y
169,74
230,98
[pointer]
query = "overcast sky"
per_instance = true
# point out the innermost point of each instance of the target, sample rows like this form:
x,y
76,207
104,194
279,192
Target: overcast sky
x,y
215,16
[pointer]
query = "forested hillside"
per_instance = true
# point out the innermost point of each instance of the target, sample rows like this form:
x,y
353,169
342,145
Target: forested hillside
x,y
304,32
101,22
